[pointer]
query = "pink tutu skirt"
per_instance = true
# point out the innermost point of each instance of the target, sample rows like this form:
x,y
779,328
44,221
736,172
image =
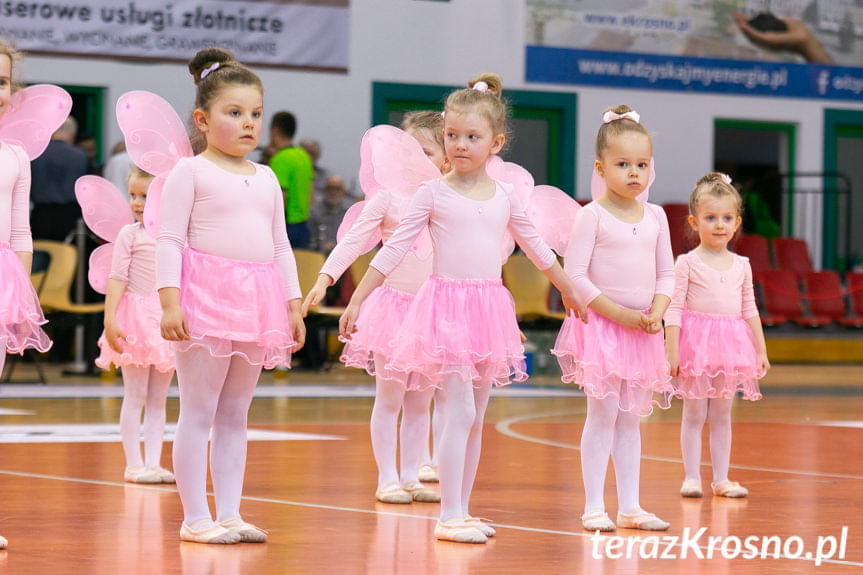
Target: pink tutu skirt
x,y
227,301
378,323
465,327
718,357
608,360
20,313
138,316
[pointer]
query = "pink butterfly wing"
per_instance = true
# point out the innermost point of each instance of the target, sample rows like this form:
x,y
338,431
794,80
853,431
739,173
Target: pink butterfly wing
x,y
348,222
100,267
155,136
597,184
511,173
552,212
397,161
33,115
103,206
153,205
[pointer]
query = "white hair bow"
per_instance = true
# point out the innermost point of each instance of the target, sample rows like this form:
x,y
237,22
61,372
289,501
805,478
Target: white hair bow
x,y
612,116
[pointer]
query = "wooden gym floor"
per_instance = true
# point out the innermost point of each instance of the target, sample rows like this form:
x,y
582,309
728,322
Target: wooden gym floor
x,y
311,477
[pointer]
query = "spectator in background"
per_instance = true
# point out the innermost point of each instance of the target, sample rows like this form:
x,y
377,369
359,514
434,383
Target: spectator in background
x,y
118,167
313,149
87,142
326,215
52,188
295,172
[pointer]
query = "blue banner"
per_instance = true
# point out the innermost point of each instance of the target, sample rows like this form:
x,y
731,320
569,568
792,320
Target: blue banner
x,y
660,72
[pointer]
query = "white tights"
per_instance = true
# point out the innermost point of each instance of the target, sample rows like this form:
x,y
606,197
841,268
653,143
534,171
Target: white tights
x,y
143,388
437,423
390,398
610,431
461,442
215,394
695,413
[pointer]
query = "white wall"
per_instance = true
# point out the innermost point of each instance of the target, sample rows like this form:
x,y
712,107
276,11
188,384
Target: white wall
x,y
417,41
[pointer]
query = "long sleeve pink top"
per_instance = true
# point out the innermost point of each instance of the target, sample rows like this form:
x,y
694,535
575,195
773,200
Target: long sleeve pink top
x,y
15,198
699,287
382,211
224,214
134,259
629,263
467,234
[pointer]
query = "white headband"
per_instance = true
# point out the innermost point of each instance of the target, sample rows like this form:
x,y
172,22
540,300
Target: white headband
x,y
212,68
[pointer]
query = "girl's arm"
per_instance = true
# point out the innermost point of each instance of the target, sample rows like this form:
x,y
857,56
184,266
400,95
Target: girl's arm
x,y
675,313
524,232
664,272
750,314
113,334
390,255
178,197
349,249
20,238
283,256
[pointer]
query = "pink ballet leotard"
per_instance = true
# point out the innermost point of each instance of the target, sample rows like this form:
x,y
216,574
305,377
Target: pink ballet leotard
x,y
718,353
138,312
223,243
383,313
20,313
629,263
462,320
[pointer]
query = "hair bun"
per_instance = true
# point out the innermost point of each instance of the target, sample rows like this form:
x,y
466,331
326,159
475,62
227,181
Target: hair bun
x,y
492,82
205,59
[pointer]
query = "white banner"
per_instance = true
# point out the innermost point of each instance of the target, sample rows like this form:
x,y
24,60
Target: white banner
x,y
274,33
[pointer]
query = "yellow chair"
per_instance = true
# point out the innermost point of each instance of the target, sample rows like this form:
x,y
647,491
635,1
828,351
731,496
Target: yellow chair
x,y
309,264
58,280
530,289
360,265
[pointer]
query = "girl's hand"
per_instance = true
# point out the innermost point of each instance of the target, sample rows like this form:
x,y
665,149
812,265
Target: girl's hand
x,y
632,319
765,363
654,323
572,303
317,293
174,325
347,323
522,336
298,327
114,336
673,357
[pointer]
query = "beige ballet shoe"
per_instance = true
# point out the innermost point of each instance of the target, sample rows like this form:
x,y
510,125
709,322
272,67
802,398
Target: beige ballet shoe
x,y
140,474
459,532
165,476
421,493
3,543
597,520
392,492
248,533
480,525
691,488
214,534
729,489
641,519
428,473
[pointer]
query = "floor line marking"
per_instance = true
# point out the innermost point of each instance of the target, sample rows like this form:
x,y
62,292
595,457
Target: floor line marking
x,y
505,427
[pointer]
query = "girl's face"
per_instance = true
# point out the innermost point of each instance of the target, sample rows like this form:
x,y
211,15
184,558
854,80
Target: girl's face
x,y
233,123
431,148
625,164
138,187
5,81
469,141
716,220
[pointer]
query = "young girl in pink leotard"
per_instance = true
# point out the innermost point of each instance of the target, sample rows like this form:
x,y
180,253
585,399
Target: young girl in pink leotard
x,y
460,331
229,291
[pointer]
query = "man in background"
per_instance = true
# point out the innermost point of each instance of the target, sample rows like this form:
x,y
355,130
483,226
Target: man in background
x,y
295,173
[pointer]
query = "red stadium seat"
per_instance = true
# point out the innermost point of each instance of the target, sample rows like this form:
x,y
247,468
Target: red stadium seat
x,y
792,254
755,248
678,227
854,281
826,297
783,300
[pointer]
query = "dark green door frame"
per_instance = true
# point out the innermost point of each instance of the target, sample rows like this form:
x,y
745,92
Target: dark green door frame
x,y
837,123
558,108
